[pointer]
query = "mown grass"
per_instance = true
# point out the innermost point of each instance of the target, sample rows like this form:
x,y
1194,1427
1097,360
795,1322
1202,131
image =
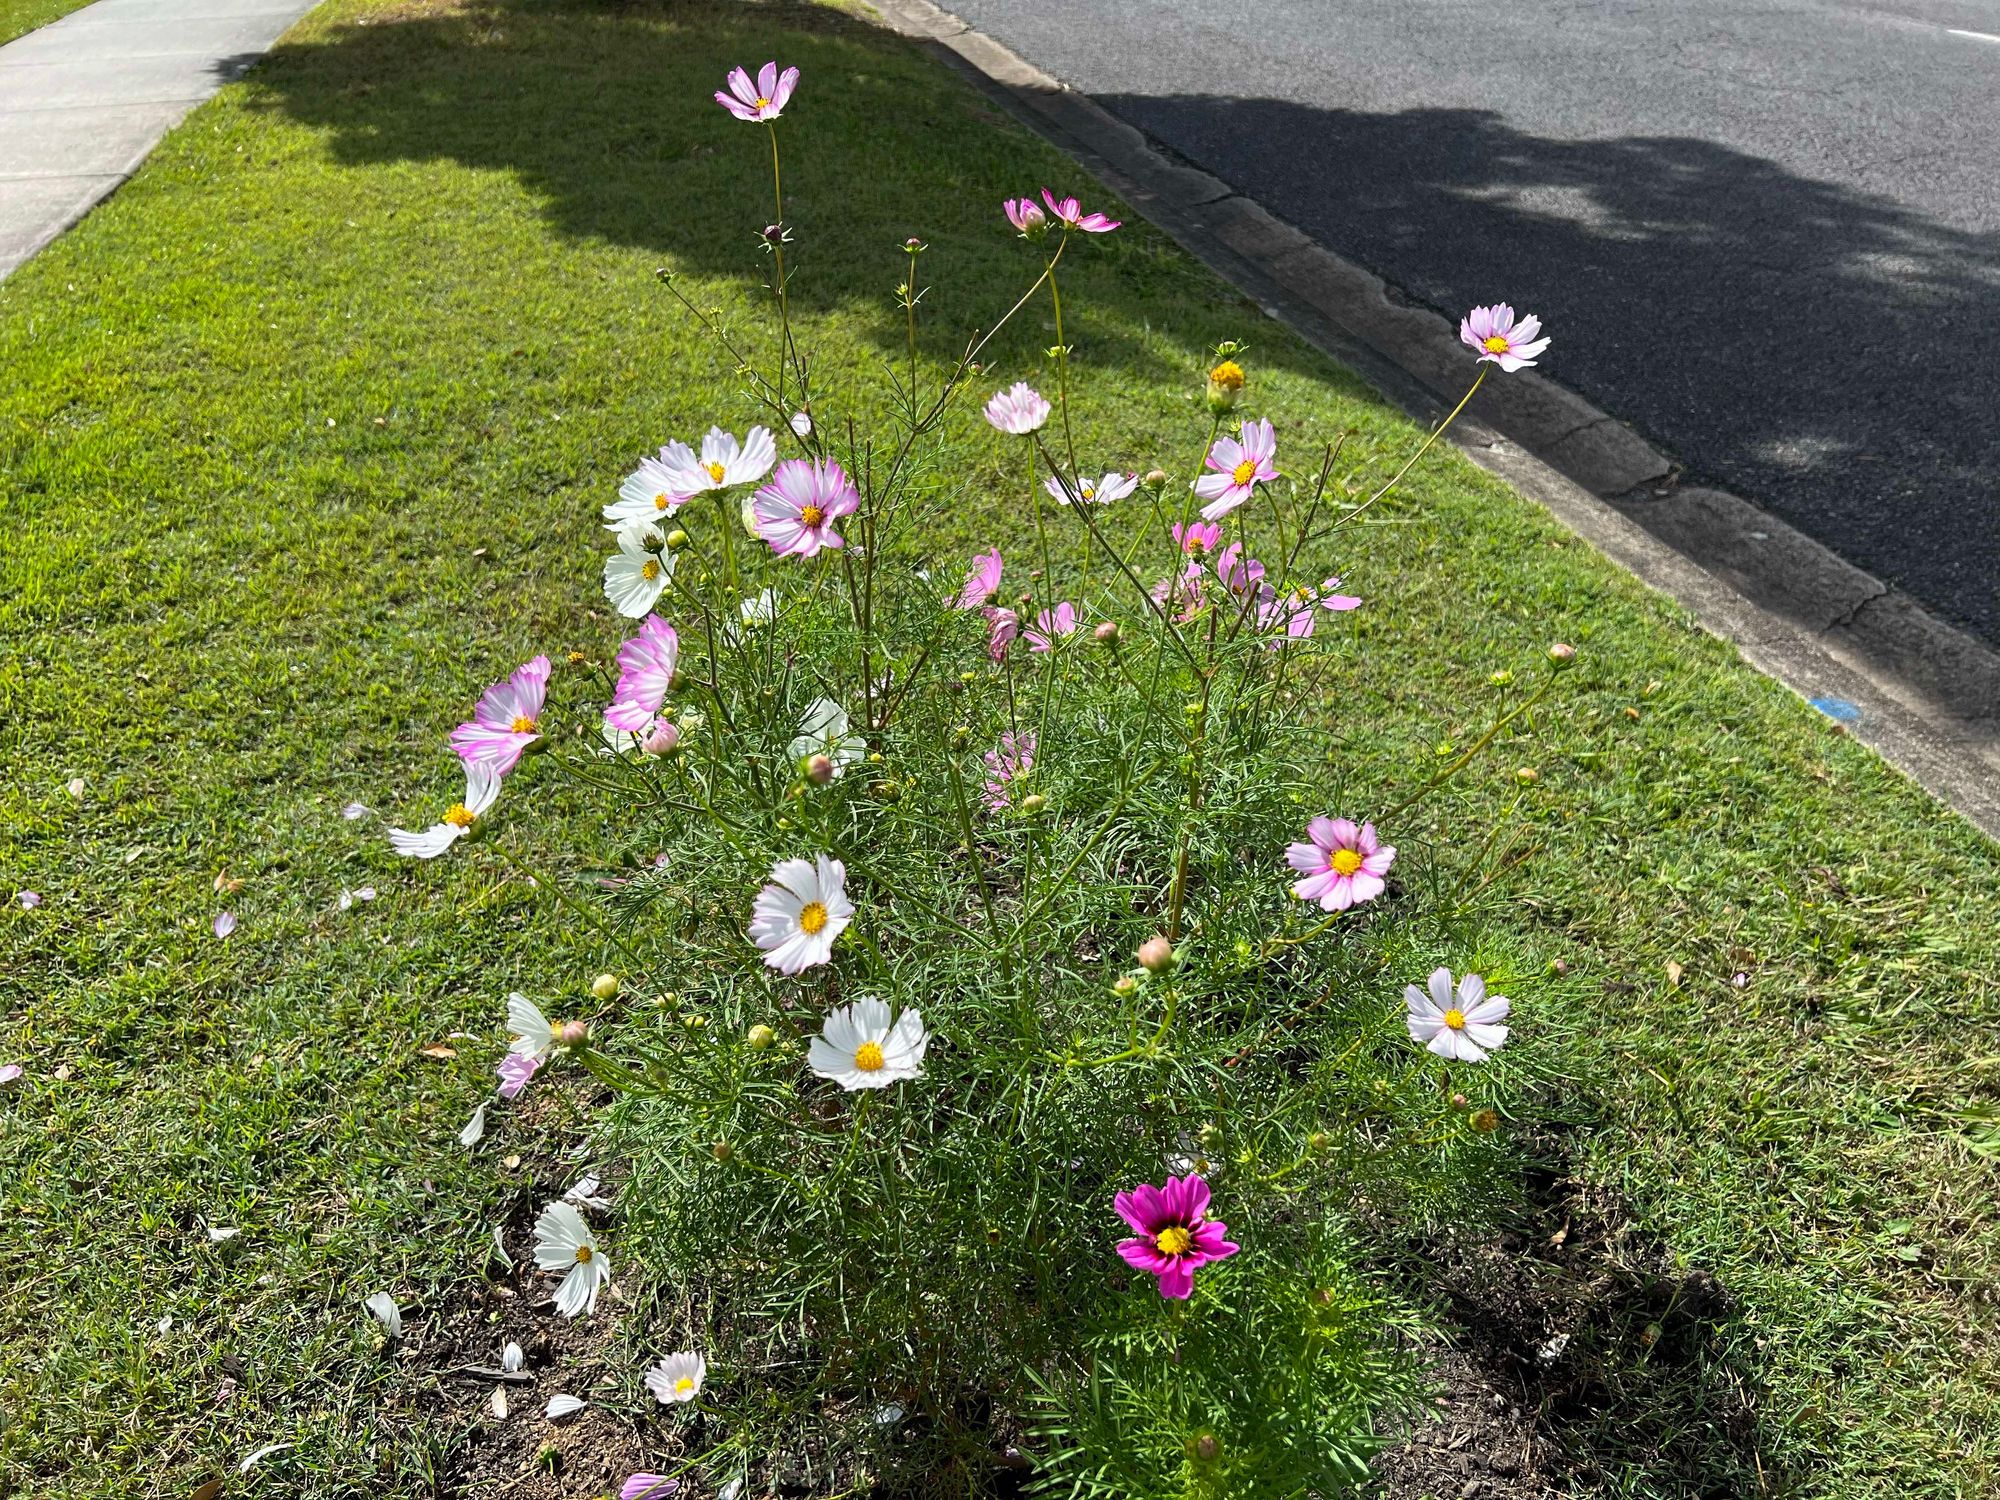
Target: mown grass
x,y
303,441
19,17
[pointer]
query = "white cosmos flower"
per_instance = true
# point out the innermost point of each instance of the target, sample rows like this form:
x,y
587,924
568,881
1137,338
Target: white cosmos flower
x,y
762,609
1464,1027
1113,486
482,785
636,574
723,463
585,1195
859,1047
800,913
563,1242
532,1034
647,494
824,731
677,1378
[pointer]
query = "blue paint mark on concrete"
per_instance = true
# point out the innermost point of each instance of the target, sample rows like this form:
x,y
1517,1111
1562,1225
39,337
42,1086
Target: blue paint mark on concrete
x,y
1837,709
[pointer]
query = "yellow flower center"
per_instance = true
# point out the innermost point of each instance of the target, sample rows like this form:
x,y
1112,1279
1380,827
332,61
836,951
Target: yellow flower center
x,y
1455,1019
812,917
1345,861
811,515
684,1386
459,816
1089,493
715,472
662,500
522,724
583,1254
650,571
1173,1240
762,102
1496,345
868,1057
1228,374
1244,472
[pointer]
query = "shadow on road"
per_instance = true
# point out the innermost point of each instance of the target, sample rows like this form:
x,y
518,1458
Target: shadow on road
x,y
1827,353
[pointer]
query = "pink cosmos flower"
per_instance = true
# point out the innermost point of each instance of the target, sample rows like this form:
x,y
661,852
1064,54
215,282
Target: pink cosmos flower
x,y
1498,338
29,900
1241,573
515,1070
507,720
1239,467
1102,491
1018,410
1290,616
1026,215
1072,214
1175,1236
1009,764
1002,626
982,582
645,673
647,1486
797,509
1197,538
1342,865
1050,626
1190,592
763,100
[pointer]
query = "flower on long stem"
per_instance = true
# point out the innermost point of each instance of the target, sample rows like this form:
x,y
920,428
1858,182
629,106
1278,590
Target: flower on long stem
x,y
1050,626
1007,766
1018,410
1026,215
563,1242
1002,627
1175,1237
1072,214
1343,865
1499,339
795,512
825,731
799,914
1291,615
1238,465
723,462
1197,538
507,719
866,1046
763,98
1064,488
482,786
1461,1027
677,1379
636,574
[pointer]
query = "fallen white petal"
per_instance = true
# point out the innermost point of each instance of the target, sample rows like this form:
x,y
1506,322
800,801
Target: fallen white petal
x,y
354,810
262,1453
510,1358
564,1406
164,1324
475,1128
382,1307
500,1249
217,1235
225,923
497,1404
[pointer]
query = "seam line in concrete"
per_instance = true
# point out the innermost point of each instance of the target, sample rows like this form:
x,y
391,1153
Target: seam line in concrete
x,y
1926,689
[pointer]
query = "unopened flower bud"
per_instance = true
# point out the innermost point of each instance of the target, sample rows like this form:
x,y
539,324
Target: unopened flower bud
x,y
1225,387
760,1037
915,246
749,517
1155,480
1156,954
1318,1141
663,738
1206,1447
961,737
676,539
605,986
1034,802
1458,1101
722,1150
774,233
573,1033
1527,775
819,769
1125,986
1500,678
1486,1121
1324,1296
802,424
1561,654
887,791
578,659
1107,633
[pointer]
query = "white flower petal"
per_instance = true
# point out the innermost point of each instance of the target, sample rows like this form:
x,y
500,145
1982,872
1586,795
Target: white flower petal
x,y
561,1405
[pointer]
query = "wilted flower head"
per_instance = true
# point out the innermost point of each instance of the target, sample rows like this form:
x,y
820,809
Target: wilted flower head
x,y
677,1378
1342,865
1464,1027
982,583
1026,215
507,719
795,512
1240,573
1175,1235
797,916
563,1242
482,786
1498,338
1002,626
862,1046
1072,214
1112,486
1006,767
764,97
1019,409
1238,465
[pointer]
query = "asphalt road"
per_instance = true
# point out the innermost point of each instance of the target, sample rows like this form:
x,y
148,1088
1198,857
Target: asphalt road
x,y
1764,232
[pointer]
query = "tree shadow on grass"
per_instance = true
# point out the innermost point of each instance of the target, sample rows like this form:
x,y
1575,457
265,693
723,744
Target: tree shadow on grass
x,y
1825,351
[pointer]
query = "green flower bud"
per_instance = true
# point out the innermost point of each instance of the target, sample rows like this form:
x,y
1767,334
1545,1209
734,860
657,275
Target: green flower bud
x,y
605,986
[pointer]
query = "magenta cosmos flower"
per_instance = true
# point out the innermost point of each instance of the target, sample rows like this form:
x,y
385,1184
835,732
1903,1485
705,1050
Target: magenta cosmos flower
x,y
1342,865
1290,616
1497,337
647,1487
645,673
1071,213
1026,215
982,583
1239,465
762,100
507,720
1050,626
796,510
1198,538
1007,766
1002,626
1175,1237
1018,410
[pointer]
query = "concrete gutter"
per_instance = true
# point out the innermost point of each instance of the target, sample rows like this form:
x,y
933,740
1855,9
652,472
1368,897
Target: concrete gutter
x,y
1922,693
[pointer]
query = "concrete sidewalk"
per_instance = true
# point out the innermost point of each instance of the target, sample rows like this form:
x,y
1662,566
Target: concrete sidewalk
x,y
84,99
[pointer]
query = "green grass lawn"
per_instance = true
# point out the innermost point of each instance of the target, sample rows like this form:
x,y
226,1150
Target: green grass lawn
x,y
19,17
303,441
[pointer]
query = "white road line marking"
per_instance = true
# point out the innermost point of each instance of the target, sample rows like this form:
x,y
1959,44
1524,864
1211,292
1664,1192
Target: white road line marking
x,y
1977,36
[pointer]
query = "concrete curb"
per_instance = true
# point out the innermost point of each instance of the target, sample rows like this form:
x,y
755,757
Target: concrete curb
x,y
1924,695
